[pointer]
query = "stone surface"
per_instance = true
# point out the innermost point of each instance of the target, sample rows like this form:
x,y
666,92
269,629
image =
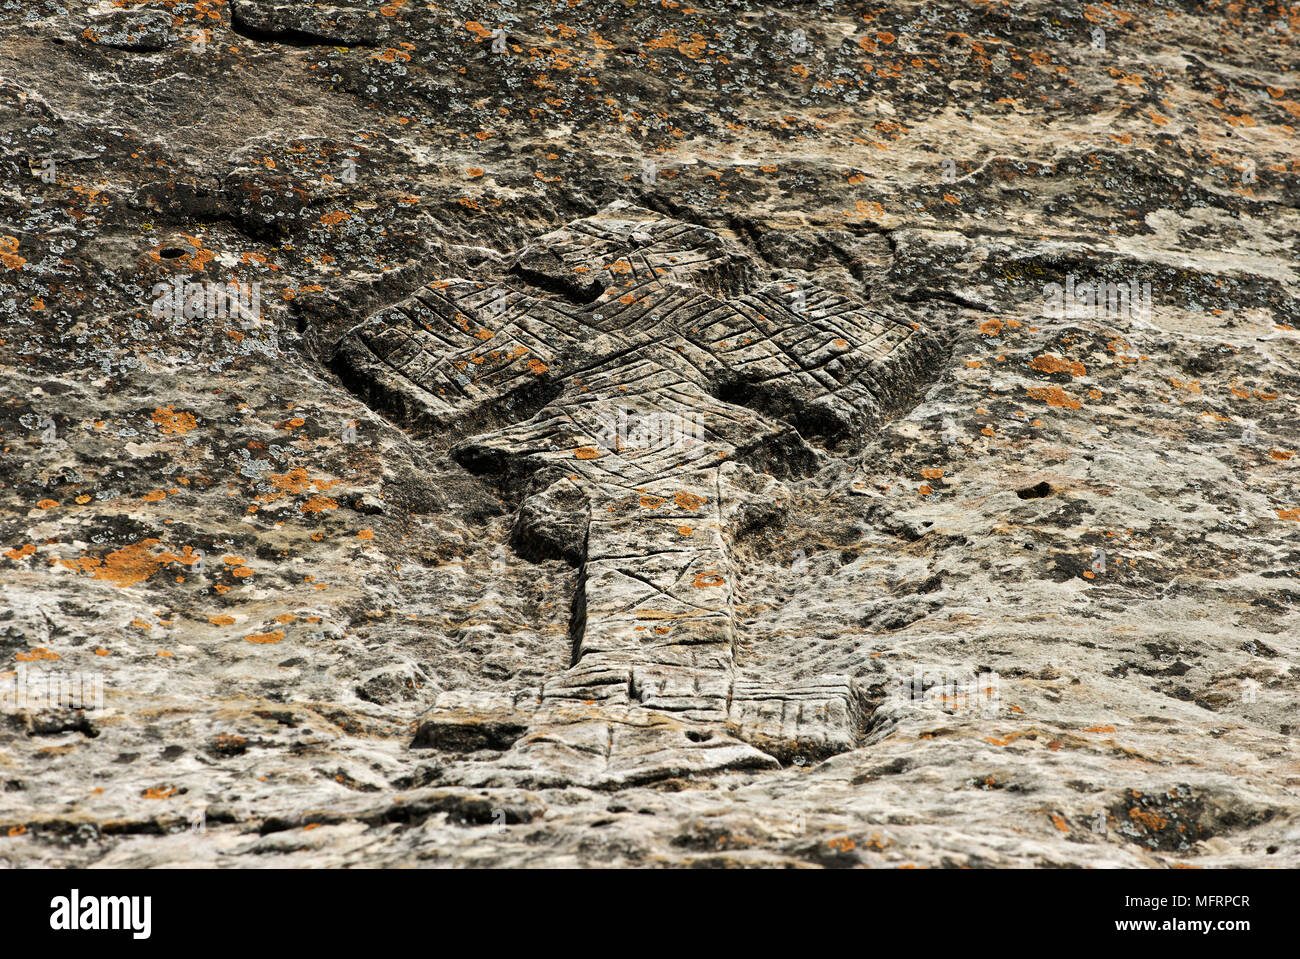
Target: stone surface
x,y
654,441
653,626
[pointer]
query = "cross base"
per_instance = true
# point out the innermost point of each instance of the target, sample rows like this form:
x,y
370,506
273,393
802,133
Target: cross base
x,y
549,736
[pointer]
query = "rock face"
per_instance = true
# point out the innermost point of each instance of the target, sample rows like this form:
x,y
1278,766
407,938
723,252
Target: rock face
x,y
637,433
615,434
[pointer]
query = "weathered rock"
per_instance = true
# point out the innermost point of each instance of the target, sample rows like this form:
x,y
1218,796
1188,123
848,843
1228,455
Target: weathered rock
x,y
1006,578
654,388
297,23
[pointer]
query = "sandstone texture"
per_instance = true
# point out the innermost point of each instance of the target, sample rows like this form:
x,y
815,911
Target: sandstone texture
x,y
639,434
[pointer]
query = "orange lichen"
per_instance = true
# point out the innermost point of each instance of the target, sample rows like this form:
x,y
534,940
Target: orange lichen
x,y
169,421
265,639
1054,396
130,564
294,481
221,620
704,580
9,253
1003,742
26,550
318,504
688,501
1050,363
1153,821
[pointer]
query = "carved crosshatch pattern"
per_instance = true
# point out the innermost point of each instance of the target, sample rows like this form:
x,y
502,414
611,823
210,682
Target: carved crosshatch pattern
x,y
637,312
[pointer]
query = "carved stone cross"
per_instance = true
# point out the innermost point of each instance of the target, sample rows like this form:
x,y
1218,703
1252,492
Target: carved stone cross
x,y
642,394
